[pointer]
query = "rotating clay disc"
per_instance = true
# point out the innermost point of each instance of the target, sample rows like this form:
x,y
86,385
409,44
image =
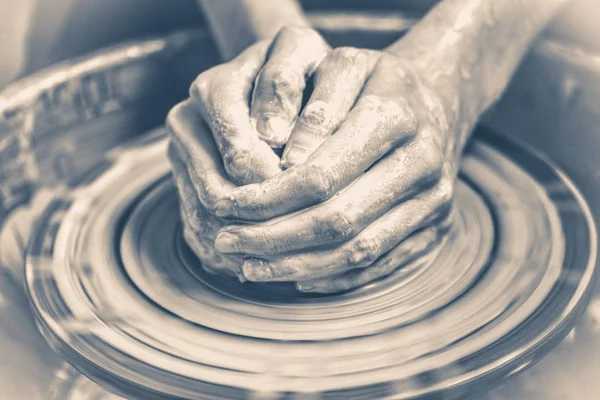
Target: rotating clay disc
x,y
119,294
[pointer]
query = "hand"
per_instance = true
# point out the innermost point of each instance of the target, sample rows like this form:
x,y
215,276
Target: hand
x,y
273,75
383,182
199,226
218,139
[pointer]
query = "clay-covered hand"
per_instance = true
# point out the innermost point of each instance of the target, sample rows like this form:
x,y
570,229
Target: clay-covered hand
x,y
251,103
374,177
199,226
222,135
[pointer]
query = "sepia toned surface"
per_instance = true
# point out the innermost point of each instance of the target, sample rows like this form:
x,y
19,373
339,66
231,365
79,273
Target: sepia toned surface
x,y
581,335
477,311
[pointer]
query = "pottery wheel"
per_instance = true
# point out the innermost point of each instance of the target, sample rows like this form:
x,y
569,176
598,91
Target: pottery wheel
x,y
119,294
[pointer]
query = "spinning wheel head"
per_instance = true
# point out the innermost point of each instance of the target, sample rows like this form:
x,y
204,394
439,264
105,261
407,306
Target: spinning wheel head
x,y
117,291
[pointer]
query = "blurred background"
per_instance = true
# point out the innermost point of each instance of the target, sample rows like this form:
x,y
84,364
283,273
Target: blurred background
x,y
37,33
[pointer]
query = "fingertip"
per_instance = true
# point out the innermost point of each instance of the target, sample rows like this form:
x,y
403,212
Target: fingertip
x,y
273,130
226,208
227,242
257,270
305,287
293,155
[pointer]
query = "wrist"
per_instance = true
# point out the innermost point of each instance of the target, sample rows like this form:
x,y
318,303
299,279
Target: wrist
x,y
442,102
467,50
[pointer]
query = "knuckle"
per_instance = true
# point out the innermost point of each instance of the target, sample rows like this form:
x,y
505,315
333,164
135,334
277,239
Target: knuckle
x,y
394,112
351,55
270,246
363,252
346,53
400,115
343,59
405,120
316,182
375,104
386,107
201,86
335,227
340,59
343,283
431,159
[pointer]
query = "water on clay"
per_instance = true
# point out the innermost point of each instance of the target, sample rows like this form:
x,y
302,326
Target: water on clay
x,y
141,316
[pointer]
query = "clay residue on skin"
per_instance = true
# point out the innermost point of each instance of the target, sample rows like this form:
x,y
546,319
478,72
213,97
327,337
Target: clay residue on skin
x,y
469,49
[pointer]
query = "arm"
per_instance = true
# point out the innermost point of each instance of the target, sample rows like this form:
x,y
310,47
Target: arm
x,y
237,24
468,50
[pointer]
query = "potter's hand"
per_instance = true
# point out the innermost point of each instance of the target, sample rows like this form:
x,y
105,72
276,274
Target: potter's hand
x,y
386,174
393,158
199,226
218,139
272,75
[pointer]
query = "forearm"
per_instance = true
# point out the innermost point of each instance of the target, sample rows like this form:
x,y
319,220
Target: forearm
x,y
236,24
469,49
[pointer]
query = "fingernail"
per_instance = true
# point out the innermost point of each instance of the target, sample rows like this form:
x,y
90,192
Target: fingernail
x,y
227,243
225,208
257,270
273,130
304,287
293,156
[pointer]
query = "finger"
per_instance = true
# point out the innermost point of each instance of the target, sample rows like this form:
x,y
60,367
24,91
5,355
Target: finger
x,y
212,260
378,238
401,174
414,247
196,148
221,95
279,87
200,227
372,129
337,83
418,249
200,221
